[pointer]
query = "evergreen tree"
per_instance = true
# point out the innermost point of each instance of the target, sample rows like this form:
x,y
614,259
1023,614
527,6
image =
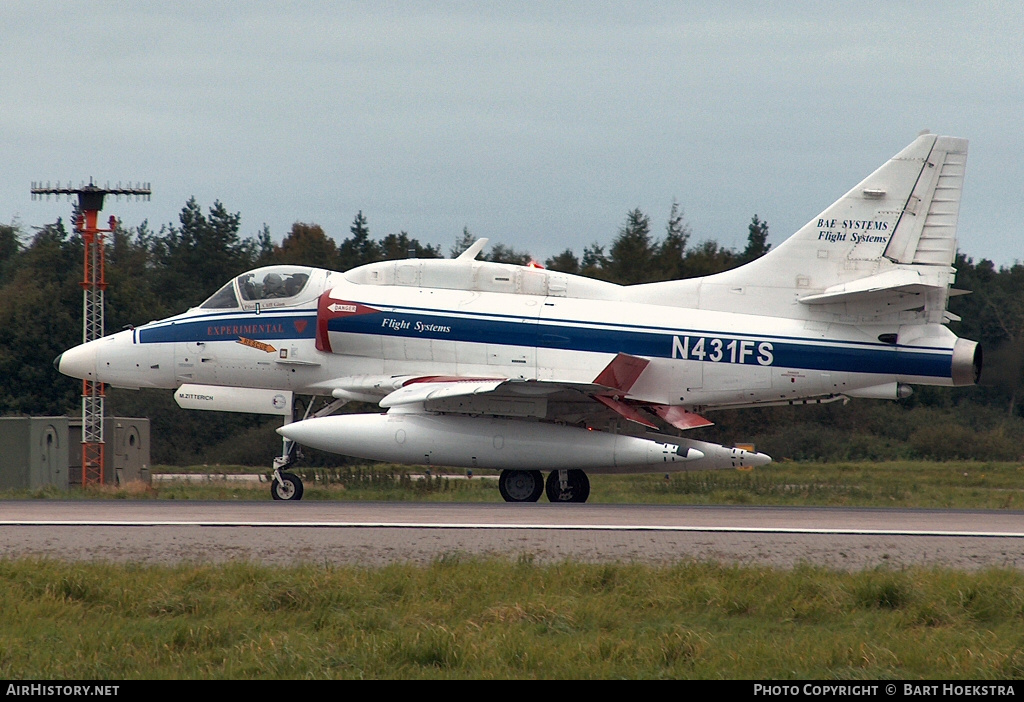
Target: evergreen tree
x,y
398,246
631,256
197,258
131,298
358,249
709,258
757,240
565,262
462,243
671,253
41,317
264,249
977,311
595,262
10,245
500,253
994,315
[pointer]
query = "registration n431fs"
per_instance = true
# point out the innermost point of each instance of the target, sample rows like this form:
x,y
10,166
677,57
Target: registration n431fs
x,y
487,365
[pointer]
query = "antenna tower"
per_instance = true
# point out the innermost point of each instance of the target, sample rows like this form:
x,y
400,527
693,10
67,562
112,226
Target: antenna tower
x,y
94,283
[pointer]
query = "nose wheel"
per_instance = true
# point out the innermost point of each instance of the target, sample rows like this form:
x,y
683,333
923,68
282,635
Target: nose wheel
x,y
286,486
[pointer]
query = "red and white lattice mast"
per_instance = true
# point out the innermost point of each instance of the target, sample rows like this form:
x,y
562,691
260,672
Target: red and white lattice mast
x,y
94,283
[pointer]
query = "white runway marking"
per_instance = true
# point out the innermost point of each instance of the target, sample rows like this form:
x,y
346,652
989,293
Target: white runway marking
x,y
523,527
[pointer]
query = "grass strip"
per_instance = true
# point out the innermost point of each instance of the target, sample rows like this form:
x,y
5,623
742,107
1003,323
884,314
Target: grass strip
x,y
463,618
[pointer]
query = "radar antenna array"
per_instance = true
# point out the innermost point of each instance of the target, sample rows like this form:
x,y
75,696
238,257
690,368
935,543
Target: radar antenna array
x,y
94,283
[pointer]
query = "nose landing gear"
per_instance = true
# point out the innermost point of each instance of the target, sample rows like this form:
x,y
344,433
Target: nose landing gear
x,y
286,487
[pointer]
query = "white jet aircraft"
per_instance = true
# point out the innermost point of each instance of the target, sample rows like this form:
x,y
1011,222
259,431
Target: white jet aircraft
x,y
487,365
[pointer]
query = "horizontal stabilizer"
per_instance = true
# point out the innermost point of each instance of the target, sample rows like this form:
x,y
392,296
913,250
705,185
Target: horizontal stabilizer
x,y
895,281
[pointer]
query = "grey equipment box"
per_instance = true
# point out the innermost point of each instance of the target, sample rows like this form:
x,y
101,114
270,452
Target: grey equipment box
x,y
34,452
125,456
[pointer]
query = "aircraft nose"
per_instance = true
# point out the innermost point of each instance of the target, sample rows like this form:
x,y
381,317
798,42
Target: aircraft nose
x,y
56,362
79,362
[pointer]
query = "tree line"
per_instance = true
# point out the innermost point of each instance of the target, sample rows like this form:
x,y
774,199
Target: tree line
x,y
154,274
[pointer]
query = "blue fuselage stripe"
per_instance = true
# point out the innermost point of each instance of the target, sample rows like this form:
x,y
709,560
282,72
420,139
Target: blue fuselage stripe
x,y
824,356
854,357
231,328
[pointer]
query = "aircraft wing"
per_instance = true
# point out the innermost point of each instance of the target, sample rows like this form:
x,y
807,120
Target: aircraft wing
x,y
418,390
552,399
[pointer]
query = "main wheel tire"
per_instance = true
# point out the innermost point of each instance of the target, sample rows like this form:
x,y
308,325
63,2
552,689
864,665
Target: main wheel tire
x,y
521,485
577,488
290,487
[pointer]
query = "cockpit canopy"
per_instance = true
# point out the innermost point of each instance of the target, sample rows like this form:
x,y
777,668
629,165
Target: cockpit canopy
x,y
272,286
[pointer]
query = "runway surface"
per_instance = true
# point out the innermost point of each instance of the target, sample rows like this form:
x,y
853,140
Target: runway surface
x,y
380,533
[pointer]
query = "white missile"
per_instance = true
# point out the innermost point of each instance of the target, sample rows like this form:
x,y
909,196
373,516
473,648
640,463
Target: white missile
x,y
718,457
447,440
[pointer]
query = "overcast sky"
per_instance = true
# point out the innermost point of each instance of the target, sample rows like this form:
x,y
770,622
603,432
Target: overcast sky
x,y
536,124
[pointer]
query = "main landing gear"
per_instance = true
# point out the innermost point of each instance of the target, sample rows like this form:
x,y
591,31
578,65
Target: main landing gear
x,y
521,485
568,486
528,485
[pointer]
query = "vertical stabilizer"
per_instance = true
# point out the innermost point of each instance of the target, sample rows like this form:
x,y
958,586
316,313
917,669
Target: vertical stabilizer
x,y
905,213
883,251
